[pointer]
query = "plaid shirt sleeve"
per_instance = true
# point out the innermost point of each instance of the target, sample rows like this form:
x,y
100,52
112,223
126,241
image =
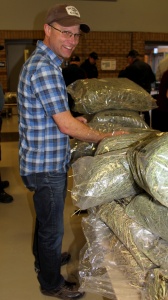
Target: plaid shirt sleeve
x,y
49,88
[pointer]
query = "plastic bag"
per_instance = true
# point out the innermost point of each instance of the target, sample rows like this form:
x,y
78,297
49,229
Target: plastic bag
x,y
119,142
155,248
148,161
93,276
156,285
94,95
115,218
101,179
124,117
150,214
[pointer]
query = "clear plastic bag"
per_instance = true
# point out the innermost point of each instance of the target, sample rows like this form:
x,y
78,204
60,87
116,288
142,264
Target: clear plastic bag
x,y
155,248
156,285
94,95
124,117
116,219
119,142
102,264
150,214
81,149
123,260
93,276
101,179
148,161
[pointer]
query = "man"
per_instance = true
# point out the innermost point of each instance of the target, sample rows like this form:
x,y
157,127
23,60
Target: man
x,y
71,73
4,197
140,72
89,65
45,124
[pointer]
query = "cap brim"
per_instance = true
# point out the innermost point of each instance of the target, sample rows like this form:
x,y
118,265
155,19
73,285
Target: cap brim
x,y
84,28
72,22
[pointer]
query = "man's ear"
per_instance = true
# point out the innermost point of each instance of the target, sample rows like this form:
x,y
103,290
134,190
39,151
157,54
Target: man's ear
x,y
47,29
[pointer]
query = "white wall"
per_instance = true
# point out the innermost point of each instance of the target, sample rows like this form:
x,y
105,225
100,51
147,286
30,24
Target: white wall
x,y
123,15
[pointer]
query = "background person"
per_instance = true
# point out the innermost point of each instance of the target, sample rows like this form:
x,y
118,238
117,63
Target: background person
x,y
89,65
139,72
160,114
45,124
71,73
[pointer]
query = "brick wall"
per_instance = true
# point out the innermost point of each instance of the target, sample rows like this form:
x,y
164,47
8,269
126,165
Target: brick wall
x,y
108,45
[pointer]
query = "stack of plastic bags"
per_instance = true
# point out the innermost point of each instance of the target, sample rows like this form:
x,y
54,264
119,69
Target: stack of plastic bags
x,y
124,180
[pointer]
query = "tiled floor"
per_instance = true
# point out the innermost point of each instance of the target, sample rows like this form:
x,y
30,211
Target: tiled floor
x,y
17,277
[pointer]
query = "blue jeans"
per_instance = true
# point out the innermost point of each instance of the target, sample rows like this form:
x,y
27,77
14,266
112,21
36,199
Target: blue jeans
x,y
49,197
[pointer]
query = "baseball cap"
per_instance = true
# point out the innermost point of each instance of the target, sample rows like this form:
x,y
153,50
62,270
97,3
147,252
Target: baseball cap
x,y
75,58
66,15
93,55
1,47
133,53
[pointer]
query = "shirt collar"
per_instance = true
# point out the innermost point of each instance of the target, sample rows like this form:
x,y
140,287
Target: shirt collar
x,y
49,53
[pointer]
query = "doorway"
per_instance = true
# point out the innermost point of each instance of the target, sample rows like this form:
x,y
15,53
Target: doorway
x,y
154,52
17,53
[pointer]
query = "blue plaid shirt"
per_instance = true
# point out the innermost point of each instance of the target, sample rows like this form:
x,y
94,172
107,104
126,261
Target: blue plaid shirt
x,y
41,94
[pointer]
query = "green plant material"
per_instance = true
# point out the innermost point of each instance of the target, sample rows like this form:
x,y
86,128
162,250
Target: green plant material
x,y
94,95
80,149
150,214
119,142
115,218
148,161
93,276
156,285
126,118
101,179
123,259
154,247
105,127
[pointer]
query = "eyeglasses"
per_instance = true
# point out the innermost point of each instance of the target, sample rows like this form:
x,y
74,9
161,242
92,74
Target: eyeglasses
x,y
67,34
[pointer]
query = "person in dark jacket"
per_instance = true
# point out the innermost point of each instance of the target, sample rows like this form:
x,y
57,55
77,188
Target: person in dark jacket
x,y
141,73
160,115
71,73
89,65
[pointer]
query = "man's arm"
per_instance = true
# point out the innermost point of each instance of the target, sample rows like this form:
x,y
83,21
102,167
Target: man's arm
x,y
76,128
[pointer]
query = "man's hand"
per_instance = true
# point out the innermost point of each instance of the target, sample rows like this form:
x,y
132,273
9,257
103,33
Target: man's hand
x,y
119,132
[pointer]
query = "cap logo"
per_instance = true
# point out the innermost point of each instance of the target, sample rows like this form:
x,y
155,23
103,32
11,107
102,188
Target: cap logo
x,y
72,11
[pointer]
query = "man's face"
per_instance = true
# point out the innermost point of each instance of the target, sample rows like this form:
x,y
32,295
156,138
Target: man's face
x,y
130,60
92,60
60,40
